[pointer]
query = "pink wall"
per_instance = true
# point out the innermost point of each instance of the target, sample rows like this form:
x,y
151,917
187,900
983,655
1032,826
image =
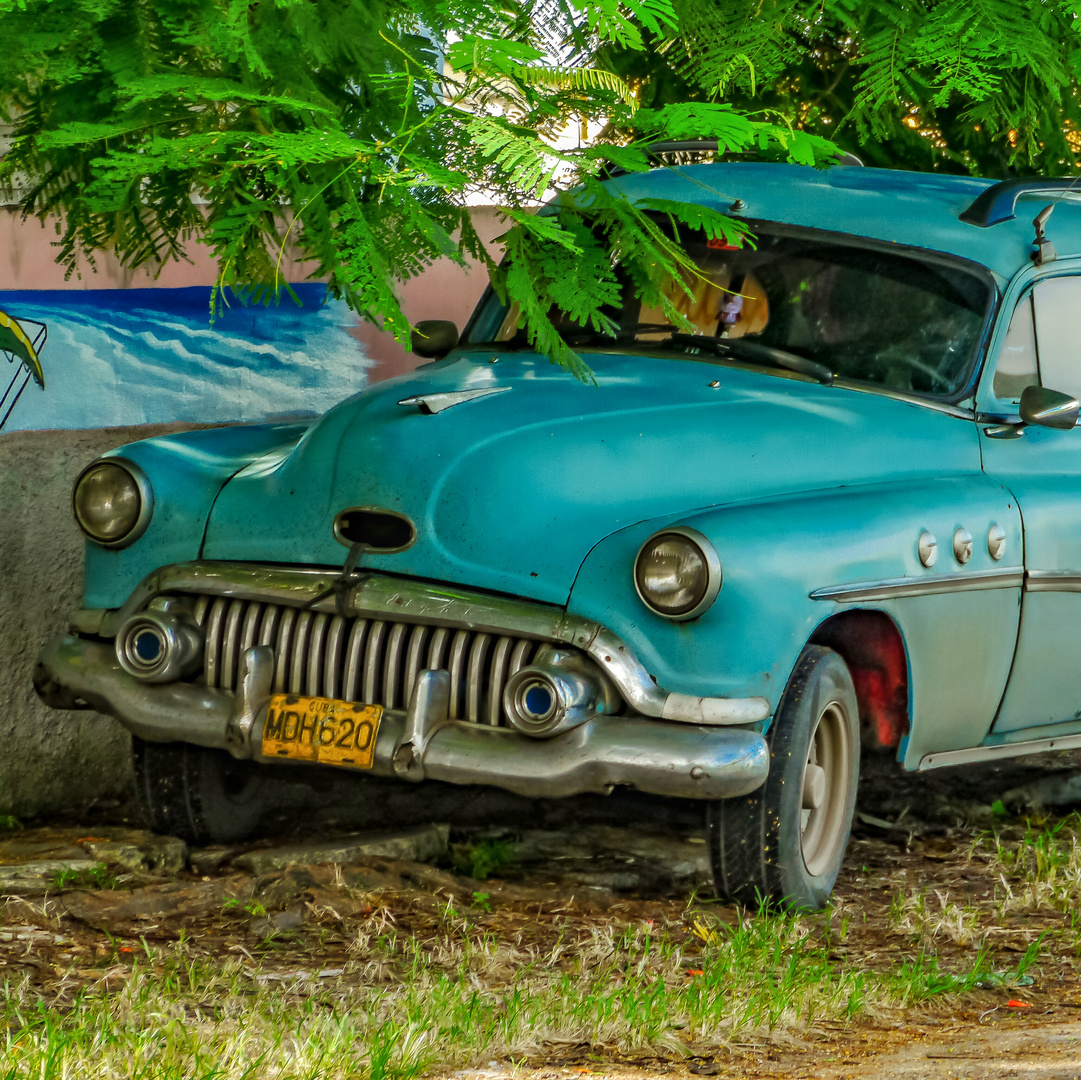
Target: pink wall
x,y
444,291
28,254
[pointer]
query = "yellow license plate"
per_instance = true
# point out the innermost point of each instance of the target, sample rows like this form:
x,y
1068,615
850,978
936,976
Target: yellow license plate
x,y
321,729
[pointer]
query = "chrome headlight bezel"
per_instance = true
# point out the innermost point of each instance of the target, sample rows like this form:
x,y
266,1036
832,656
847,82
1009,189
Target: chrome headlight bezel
x,y
714,573
146,502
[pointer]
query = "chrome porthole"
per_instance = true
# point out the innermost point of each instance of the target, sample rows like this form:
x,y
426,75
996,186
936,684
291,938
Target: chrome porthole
x,y
927,546
962,546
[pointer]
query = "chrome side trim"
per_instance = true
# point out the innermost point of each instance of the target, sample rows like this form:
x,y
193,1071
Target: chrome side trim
x,y
1053,581
385,600
1003,577
87,620
960,411
376,596
642,693
998,751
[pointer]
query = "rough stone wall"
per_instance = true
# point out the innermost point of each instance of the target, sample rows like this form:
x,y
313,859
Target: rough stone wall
x,y
49,760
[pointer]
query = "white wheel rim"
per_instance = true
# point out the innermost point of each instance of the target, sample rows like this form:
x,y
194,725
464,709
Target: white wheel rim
x,y
824,790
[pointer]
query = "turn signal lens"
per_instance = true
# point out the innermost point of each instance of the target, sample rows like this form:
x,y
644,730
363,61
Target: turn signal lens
x,y
112,503
677,573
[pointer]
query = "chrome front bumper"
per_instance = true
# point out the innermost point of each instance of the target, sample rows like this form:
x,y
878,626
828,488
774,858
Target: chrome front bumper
x,y
660,757
441,717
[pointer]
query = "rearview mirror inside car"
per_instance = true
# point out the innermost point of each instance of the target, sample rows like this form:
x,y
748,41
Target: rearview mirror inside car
x,y
1048,408
433,337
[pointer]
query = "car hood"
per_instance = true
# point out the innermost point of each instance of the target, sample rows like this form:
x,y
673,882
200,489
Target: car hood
x,y
509,492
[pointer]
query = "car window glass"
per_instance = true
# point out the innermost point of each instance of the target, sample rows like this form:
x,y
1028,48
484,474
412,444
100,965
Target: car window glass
x,y
899,320
1057,305
1016,367
716,301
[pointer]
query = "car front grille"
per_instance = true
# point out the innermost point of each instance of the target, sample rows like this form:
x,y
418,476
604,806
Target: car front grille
x,y
375,661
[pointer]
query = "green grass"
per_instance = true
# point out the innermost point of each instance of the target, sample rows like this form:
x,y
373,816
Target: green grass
x,y
482,859
1041,869
96,877
461,998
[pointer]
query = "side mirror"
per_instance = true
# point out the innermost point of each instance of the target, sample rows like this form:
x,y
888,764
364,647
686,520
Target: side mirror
x,y
433,338
1048,408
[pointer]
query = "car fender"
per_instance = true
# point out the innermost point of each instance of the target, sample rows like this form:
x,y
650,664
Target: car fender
x,y
186,472
778,555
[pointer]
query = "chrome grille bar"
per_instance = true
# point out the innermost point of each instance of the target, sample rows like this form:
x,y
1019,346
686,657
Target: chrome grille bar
x,y
392,664
357,659
213,641
456,665
316,653
332,664
354,660
376,633
476,673
500,659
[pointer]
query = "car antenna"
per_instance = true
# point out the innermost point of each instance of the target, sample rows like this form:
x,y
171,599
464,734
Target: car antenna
x,y
1044,250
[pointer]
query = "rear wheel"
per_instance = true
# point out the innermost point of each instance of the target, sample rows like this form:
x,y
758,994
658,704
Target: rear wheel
x,y
786,841
201,795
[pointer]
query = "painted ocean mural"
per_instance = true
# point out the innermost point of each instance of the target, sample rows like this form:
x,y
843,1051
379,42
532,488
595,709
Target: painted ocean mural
x,y
134,356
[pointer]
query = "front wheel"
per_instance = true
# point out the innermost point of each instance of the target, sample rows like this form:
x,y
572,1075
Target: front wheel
x,y
786,841
198,794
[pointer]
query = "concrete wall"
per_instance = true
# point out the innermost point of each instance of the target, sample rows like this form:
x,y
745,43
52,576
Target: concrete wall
x,y
51,761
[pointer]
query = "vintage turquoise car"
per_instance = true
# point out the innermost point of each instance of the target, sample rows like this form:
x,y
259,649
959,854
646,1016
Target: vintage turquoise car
x,y
845,514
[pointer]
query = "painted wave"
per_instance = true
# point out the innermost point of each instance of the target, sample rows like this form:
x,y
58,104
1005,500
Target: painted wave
x,y
118,357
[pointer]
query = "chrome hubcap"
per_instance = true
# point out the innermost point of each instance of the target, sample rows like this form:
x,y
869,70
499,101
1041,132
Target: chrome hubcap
x,y
825,790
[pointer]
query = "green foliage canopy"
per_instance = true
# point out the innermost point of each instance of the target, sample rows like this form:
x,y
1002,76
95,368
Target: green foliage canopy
x,y
355,130
986,87
335,126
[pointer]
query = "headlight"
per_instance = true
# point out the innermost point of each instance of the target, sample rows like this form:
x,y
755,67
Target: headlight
x,y
112,502
677,573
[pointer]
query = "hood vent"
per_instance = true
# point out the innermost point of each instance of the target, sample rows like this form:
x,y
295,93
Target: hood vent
x,y
375,528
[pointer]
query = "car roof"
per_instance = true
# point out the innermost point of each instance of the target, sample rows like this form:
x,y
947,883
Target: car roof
x,y
916,209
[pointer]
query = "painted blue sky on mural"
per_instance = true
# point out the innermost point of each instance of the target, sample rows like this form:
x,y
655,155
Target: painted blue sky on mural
x,y
135,356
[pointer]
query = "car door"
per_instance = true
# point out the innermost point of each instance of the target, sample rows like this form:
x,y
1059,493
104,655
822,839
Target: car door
x,y
1042,468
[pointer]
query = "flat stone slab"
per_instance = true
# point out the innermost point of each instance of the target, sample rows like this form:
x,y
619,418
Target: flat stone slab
x,y
209,860
35,878
411,845
125,849
119,911
154,854
38,845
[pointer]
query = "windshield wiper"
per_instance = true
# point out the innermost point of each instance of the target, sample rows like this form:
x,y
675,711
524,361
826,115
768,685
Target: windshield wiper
x,y
755,351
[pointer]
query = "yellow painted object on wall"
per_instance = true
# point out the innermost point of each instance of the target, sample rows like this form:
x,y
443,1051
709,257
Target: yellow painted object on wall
x,y
17,346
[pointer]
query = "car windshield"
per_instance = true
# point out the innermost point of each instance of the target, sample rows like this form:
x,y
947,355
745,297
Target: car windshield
x,y
896,320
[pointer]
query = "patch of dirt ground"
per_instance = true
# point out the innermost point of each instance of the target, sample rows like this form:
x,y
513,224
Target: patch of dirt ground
x,y
553,944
